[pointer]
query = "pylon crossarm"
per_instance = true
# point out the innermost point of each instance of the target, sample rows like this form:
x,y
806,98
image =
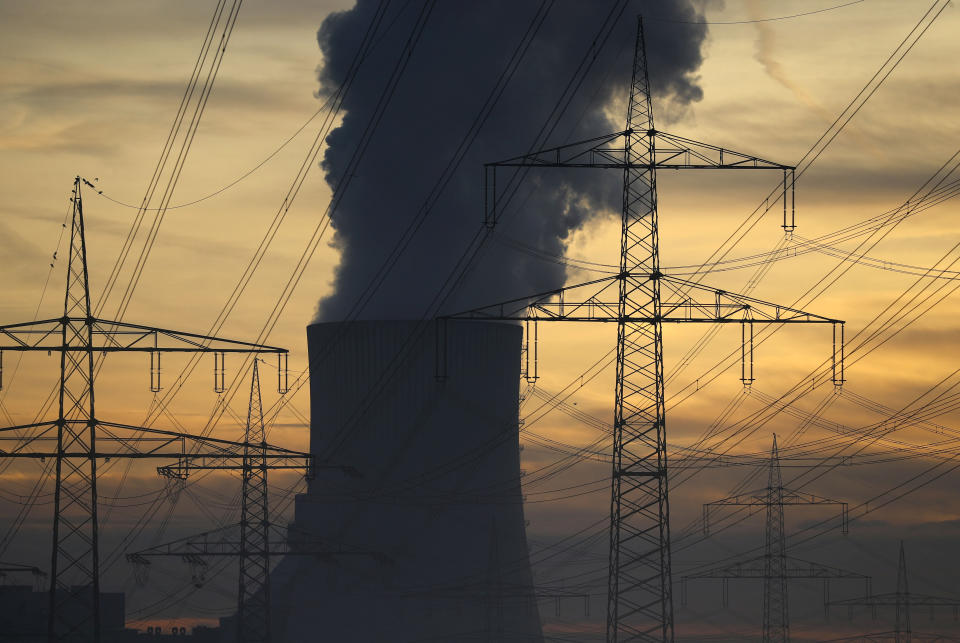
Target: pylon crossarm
x,y
11,568
752,499
586,153
188,464
662,151
197,544
755,568
800,568
761,497
216,446
109,446
24,427
683,301
226,541
885,637
932,601
799,498
742,569
593,300
232,461
38,431
191,439
112,336
678,152
141,446
273,459
25,335
716,306
116,440
670,151
138,337
680,460
893,599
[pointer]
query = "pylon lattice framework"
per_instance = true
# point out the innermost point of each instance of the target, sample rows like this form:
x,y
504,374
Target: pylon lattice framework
x,y
80,439
901,601
16,568
639,596
258,540
774,567
253,610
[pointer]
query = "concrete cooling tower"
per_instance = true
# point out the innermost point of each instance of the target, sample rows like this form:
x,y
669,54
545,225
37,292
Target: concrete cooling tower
x,y
439,495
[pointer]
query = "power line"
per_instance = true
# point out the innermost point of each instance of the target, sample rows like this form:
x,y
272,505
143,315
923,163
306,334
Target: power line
x,y
746,22
323,107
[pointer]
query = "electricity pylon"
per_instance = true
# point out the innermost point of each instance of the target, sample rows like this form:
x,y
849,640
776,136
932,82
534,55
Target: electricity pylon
x,y
78,436
258,540
774,567
253,610
227,542
901,600
640,594
16,568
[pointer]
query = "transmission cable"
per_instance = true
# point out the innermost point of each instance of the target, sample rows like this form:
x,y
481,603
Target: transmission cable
x,y
756,20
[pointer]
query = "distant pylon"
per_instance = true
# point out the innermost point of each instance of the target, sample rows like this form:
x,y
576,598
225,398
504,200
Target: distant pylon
x,y
254,547
776,620
901,627
775,567
13,568
901,600
78,438
253,610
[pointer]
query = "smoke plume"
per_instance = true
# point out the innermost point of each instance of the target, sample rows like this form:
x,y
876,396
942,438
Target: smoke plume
x,y
464,49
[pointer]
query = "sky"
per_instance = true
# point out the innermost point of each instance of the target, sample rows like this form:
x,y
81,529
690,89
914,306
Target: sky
x,y
91,91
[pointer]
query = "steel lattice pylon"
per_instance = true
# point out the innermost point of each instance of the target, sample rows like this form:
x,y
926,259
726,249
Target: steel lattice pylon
x,y
639,570
902,629
79,438
253,610
253,545
75,553
776,619
775,567
640,595
901,600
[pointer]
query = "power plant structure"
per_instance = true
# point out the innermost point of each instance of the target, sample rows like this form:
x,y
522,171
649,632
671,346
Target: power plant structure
x,y
440,493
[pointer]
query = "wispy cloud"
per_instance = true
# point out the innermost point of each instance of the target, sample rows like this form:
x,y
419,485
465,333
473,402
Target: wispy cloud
x,y
764,54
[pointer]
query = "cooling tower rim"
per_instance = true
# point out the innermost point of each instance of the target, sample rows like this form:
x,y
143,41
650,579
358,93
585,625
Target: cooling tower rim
x,y
396,322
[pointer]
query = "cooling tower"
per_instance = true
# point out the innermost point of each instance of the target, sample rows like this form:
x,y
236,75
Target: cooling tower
x,y
438,504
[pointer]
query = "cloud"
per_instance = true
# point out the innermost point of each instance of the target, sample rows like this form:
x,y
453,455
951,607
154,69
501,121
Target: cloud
x,y
764,54
457,61
21,259
53,114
